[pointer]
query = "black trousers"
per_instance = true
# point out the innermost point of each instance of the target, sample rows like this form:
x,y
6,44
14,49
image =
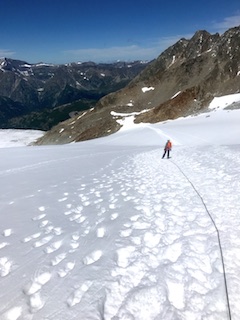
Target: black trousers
x,y
168,153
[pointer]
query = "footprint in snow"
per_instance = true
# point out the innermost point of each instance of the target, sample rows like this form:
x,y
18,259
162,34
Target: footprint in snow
x,y
135,218
7,232
5,266
42,241
125,233
74,244
31,237
101,232
86,231
172,252
68,267
123,256
92,257
36,302
78,294
43,223
151,240
48,229
176,294
78,218
13,314
33,291
62,199
97,201
3,245
51,229
140,225
39,217
97,194
86,203
59,258
74,217
36,285
67,213
114,216
53,247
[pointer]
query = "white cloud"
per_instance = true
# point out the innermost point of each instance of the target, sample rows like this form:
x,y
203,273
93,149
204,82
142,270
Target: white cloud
x,y
227,23
112,53
6,53
148,52
133,52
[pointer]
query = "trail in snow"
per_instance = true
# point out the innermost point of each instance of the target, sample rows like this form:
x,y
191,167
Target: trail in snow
x,y
220,164
132,236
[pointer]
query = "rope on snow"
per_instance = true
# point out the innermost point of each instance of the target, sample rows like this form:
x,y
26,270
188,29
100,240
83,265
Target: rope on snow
x,y
218,236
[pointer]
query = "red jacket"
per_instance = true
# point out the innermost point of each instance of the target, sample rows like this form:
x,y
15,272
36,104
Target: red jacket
x,y
168,145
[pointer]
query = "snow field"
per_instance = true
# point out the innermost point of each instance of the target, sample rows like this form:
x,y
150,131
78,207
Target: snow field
x,y
130,241
108,230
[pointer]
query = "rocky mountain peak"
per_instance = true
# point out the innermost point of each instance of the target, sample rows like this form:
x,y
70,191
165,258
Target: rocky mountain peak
x,y
7,64
180,82
201,42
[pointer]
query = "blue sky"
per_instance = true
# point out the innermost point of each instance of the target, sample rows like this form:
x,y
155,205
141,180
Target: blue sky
x,y
62,31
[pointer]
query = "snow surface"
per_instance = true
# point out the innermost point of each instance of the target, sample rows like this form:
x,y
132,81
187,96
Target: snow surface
x,y
223,102
18,138
106,229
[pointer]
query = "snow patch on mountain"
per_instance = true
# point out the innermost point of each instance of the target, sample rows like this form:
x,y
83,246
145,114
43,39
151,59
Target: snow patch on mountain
x,y
146,89
224,101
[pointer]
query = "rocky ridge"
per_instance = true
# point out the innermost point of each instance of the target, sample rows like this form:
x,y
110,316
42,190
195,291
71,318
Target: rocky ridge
x,y
180,82
26,88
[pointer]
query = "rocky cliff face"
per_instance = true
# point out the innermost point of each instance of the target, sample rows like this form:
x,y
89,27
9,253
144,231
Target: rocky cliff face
x,y
31,87
181,81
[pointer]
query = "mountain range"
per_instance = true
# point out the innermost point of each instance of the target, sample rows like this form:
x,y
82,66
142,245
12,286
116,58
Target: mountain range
x,y
37,96
182,81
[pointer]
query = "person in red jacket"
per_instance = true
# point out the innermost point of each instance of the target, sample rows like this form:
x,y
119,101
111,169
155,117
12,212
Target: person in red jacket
x,y
167,149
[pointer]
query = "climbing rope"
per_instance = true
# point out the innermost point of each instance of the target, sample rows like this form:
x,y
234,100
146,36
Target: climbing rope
x,y
218,236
